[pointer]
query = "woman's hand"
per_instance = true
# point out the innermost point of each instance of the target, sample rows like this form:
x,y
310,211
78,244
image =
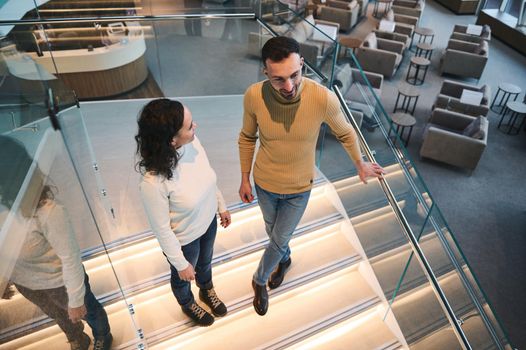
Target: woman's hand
x,y
187,274
225,219
77,313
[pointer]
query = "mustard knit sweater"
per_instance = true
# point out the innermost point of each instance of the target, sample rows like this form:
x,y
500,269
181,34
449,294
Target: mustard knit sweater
x,y
288,131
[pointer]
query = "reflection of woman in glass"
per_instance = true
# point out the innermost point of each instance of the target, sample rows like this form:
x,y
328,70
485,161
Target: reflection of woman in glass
x,y
180,195
49,270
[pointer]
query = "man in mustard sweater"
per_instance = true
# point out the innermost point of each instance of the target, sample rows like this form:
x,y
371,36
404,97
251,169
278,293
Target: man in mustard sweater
x,y
286,112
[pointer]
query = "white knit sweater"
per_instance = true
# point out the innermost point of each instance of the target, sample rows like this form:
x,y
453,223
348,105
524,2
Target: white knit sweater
x,y
50,257
181,209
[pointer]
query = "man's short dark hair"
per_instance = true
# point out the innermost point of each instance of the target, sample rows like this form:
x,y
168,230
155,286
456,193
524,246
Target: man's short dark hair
x,y
278,48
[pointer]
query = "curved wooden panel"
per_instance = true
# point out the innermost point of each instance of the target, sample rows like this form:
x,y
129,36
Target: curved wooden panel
x,y
105,83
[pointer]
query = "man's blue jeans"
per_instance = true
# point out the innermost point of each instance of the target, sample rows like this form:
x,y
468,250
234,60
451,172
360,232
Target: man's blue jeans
x,y
281,213
198,253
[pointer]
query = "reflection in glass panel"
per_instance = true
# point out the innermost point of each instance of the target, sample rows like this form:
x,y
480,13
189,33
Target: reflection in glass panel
x,y
15,10
43,241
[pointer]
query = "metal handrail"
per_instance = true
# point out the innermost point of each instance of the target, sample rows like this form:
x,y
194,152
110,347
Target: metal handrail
x,y
449,251
444,303
245,15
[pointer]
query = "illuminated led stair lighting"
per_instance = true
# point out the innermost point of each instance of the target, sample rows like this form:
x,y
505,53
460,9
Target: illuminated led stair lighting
x,y
337,331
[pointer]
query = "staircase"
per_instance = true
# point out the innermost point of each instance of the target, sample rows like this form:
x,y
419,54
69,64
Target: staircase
x,y
332,297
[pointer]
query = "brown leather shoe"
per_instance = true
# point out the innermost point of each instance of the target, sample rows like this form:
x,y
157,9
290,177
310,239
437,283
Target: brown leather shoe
x,y
276,278
260,298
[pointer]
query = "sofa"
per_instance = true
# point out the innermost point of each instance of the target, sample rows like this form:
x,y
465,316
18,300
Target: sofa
x,y
449,98
464,59
455,138
380,56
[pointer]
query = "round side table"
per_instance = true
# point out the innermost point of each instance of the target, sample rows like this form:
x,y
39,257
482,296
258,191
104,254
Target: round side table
x,y
349,43
516,109
410,95
420,64
508,91
423,33
402,121
424,50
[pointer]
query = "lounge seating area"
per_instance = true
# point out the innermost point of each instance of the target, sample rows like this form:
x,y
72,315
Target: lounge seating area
x,y
458,103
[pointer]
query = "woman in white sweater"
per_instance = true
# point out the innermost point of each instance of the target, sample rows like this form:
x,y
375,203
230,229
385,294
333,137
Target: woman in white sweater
x,y
181,198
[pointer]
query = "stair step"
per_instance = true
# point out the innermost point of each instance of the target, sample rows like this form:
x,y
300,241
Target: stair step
x,y
313,253
359,198
445,338
245,234
419,313
289,313
389,266
364,332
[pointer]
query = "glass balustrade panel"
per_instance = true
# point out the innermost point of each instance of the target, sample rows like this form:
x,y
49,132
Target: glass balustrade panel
x,y
51,243
413,196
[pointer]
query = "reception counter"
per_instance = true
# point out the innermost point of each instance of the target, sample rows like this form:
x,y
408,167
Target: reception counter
x,y
101,71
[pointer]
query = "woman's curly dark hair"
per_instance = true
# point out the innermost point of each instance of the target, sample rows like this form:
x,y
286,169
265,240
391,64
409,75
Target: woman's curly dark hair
x,y
159,121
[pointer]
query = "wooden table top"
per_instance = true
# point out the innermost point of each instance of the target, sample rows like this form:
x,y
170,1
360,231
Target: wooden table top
x,y
403,119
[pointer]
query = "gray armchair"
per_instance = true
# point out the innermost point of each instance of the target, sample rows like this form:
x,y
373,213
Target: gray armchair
x,y
460,30
380,55
403,24
464,59
348,79
409,8
466,37
449,98
358,96
404,39
341,12
445,139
